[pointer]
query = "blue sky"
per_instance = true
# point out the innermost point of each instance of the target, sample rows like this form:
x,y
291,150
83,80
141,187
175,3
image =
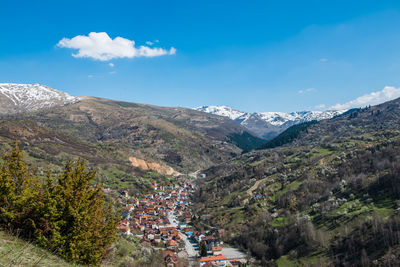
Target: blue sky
x,y
251,55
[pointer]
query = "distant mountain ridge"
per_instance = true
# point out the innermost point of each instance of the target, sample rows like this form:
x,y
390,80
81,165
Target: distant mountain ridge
x,y
183,139
269,124
17,98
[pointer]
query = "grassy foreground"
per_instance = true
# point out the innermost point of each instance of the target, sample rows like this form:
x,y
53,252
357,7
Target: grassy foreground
x,y
17,252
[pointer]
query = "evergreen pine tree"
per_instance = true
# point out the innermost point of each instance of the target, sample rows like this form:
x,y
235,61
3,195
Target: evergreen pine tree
x,y
76,219
18,193
68,215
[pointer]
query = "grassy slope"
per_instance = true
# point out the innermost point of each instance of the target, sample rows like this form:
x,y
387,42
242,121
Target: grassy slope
x,y
17,252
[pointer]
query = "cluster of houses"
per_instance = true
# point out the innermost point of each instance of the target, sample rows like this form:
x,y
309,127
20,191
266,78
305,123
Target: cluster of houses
x,y
151,220
154,219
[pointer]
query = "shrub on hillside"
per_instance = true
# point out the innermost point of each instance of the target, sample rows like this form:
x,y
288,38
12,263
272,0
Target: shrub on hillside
x,y
68,215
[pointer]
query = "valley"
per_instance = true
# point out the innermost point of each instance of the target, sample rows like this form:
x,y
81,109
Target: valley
x,y
200,133
197,188
110,134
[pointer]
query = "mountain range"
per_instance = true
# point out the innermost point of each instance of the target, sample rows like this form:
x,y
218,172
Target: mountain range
x,y
325,192
269,124
121,139
22,98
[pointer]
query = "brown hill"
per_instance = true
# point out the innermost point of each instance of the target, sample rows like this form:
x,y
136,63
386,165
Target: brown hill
x,y
184,139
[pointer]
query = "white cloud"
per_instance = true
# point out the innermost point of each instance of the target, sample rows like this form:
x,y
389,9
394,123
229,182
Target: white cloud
x,y
172,51
386,94
111,65
306,90
149,43
90,76
99,46
323,59
112,72
145,51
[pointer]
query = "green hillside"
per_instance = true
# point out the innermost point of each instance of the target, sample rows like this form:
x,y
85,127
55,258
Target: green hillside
x,y
318,200
17,252
288,136
107,133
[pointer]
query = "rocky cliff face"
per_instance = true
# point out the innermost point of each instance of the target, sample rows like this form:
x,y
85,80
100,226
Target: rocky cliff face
x,y
153,166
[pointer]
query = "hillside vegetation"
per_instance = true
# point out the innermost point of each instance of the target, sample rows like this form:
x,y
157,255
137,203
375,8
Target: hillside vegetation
x,y
288,136
183,138
328,197
107,134
18,252
68,215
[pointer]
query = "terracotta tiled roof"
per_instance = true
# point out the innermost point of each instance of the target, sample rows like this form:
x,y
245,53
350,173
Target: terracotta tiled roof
x,y
171,243
213,258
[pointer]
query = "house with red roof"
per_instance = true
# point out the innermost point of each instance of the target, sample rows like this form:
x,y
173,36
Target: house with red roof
x,y
171,243
219,260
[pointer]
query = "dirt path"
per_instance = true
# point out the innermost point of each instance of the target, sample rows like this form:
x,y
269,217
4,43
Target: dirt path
x,y
255,186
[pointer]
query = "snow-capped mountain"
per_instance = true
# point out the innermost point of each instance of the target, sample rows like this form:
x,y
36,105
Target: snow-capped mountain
x,y
15,98
225,111
288,119
269,124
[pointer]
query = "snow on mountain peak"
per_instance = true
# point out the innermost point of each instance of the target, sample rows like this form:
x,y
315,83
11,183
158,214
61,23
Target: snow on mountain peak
x,y
274,118
277,121
225,111
30,97
280,118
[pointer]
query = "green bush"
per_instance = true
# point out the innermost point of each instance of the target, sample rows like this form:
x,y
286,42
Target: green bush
x,y
68,215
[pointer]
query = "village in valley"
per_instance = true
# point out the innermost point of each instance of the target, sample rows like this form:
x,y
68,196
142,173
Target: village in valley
x,y
163,220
